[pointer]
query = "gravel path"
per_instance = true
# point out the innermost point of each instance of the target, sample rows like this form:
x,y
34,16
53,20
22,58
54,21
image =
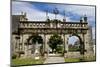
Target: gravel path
x,y
54,60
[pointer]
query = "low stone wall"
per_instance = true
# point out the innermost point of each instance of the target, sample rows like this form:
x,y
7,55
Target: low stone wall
x,y
89,55
73,55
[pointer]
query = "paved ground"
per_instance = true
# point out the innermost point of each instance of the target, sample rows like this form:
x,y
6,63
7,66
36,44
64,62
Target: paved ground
x,y
54,60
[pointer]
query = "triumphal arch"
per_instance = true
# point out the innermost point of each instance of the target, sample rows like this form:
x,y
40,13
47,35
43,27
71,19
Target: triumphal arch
x,y
22,37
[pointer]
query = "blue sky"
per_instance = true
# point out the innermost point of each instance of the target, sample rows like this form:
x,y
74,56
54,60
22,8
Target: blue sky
x,y
36,12
72,40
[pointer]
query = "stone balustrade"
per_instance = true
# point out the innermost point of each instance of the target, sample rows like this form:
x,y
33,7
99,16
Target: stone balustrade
x,y
47,25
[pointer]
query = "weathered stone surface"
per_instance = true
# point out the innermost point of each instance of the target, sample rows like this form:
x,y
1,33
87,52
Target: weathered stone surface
x,y
73,55
45,30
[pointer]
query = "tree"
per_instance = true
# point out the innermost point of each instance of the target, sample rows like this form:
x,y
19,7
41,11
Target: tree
x,y
37,38
54,41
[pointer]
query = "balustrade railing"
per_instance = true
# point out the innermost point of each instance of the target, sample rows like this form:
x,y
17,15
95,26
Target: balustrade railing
x,y
47,25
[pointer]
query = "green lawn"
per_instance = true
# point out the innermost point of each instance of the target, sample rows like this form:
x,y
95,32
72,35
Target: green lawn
x,y
80,60
72,59
27,61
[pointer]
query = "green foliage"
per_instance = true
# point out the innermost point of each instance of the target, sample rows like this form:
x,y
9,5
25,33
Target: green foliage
x,y
74,49
65,51
59,49
26,61
14,56
54,41
37,38
72,59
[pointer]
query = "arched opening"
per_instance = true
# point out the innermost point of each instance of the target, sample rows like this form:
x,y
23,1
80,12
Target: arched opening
x,y
74,43
36,44
55,44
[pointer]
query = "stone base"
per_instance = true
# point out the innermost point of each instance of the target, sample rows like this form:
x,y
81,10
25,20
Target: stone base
x,y
89,56
86,57
72,55
45,55
65,55
37,58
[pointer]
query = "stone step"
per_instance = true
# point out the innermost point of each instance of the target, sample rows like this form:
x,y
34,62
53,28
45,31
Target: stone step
x,y
54,55
54,60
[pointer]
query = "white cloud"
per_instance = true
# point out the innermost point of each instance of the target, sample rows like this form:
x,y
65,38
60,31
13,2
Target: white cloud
x,y
36,15
72,40
59,16
78,9
32,13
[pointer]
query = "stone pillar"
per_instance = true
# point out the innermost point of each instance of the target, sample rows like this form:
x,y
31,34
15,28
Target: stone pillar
x,y
66,42
63,38
22,43
82,43
88,43
45,42
17,42
13,44
65,45
45,46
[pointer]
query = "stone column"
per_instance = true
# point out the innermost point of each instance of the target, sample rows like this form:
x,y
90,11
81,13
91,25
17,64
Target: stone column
x,y
22,43
66,42
17,42
24,46
88,43
65,45
82,43
45,45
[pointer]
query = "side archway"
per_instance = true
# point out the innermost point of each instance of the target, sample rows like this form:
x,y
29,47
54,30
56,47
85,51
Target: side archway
x,y
77,43
36,42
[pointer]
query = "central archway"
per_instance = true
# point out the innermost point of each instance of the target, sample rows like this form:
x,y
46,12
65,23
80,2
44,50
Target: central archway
x,y
55,44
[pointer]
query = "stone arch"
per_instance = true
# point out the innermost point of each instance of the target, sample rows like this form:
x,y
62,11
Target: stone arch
x,y
82,44
79,40
32,44
36,37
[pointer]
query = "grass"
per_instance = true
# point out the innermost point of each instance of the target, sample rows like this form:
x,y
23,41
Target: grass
x,y
26,61
74,49
80,59
72,60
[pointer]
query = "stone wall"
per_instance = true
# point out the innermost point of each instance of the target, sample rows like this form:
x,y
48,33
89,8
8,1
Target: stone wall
x,y
73,55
